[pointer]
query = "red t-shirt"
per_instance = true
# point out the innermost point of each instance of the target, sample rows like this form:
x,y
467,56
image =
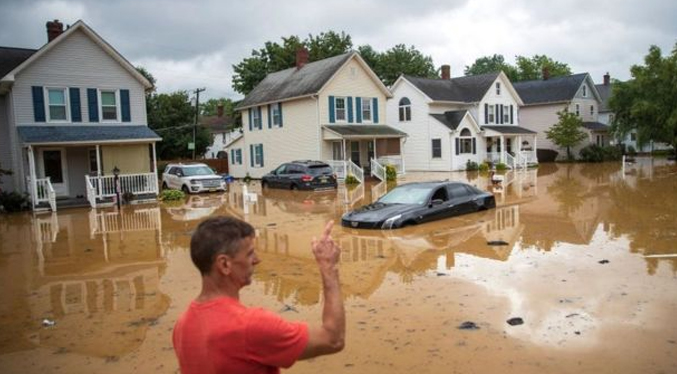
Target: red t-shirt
x,y
223,336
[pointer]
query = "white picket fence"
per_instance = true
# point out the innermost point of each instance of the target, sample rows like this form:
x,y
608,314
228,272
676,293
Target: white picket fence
x,y
104,186
42,191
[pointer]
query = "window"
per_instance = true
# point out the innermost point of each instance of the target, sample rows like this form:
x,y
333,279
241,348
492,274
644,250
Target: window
x,y
93,169
109,106
236,156
592,110
465,142
585,91
633,136
437,148
578,110
340,109
498,88
405,110
258,155
256,118
277,115
355,152
337,150
366,109
57,104
491,114
506,114
611,118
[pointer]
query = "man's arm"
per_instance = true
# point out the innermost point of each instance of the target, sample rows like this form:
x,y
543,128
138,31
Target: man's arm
x,y
328,338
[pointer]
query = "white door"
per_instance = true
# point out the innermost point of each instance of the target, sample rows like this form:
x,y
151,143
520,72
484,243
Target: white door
x,y
53,165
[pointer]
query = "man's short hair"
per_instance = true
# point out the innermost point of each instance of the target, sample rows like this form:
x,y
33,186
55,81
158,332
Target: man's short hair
x,y
215,236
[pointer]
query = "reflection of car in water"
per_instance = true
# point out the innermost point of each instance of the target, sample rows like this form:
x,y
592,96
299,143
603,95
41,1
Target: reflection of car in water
x,y
196,207
419,202
301,202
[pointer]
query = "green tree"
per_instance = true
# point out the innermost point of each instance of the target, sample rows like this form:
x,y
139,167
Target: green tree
x,y
400,60
148,76
525,68
648,102
568,132
172,117
492,64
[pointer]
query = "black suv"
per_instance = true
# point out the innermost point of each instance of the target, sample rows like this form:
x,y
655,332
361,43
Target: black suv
x,y
301,175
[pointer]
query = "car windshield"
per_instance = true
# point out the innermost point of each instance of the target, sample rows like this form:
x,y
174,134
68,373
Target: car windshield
x,y
414,194
320,169
198,170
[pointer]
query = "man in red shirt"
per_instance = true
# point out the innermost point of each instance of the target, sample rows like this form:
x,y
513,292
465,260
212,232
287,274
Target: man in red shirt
x,y
217,334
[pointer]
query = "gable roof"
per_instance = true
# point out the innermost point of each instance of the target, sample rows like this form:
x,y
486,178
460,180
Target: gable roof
x,y
294,83
216,124
605,94
7,79
451,119
553,90
85,134
13,57
468,89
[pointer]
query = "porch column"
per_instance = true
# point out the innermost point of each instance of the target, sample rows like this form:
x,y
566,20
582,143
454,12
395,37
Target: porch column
x,y
31,168
375,157
98,169
502,155
343,141
535,148
402,154
157,188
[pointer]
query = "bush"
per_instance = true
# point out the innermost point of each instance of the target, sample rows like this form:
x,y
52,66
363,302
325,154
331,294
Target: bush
x,y
484,166
172,195
391,173
501,166
471,165
611,153
13,201
247,178
350,179
592,153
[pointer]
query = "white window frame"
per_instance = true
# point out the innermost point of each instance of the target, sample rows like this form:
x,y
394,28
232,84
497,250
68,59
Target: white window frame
x,y
256,119
366,100
258,156
465,141
66,99
432,148
118,105
404,111
492,116
276,114
344,100
498,88
506,114
578,110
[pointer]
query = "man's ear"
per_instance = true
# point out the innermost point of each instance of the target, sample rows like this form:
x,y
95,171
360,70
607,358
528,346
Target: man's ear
x,y
223,264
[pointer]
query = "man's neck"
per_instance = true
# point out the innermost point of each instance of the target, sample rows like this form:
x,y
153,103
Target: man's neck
x,y
214,288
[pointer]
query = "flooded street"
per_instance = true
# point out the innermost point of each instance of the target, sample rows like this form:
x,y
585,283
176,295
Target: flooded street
x,y
589,264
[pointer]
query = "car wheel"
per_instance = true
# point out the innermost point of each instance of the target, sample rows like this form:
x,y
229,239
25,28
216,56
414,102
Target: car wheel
x,y
185,189
164,185
294,187
264,185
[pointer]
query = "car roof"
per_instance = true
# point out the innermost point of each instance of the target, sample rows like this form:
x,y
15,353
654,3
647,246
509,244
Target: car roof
x,y
195,164
309,162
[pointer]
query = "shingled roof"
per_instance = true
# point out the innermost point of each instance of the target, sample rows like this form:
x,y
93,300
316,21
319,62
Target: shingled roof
x,y
468,89
293,82
604,93
595,126
451,119
70,134
13,57
553,90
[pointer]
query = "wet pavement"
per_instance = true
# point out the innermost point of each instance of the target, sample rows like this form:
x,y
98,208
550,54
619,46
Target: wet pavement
x,y
588,266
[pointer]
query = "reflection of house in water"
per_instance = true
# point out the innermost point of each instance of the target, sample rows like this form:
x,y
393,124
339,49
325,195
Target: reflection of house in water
x,y
97,277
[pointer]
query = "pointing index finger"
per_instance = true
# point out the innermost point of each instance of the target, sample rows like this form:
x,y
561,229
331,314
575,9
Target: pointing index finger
x,y
327,230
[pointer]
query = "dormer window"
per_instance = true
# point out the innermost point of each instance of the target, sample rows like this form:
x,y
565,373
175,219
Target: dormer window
x,y
498,88
405,110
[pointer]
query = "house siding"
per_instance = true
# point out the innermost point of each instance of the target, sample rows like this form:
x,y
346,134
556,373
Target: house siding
x,y
239,171
6,182
505,98
77,62
540,118
130,159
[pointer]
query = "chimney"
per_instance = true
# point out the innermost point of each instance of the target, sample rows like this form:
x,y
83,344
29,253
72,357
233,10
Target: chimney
x,y
607,79
546,73
54,29
446,71
301,57
219,110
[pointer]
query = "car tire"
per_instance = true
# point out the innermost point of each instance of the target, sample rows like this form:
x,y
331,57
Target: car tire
x,y
264,185
185,189
294,187
164,185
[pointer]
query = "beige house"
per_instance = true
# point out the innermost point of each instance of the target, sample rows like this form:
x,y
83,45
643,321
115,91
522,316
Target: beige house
x,y
332,110
544,98
73,114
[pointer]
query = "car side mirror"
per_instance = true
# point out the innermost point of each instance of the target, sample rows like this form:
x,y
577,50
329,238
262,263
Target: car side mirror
x,y
436,202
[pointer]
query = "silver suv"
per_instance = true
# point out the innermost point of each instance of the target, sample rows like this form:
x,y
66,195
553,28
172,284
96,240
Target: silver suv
x,y
192,178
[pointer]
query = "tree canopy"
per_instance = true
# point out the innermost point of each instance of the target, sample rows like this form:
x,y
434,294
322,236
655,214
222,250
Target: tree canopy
x,y
568,132
274,57
648,102
525,68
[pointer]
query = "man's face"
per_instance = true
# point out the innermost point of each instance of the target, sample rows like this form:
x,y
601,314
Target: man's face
x,y
242,264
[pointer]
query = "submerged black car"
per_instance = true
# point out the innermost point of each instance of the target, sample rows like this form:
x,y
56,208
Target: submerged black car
x,y
301,175
414,203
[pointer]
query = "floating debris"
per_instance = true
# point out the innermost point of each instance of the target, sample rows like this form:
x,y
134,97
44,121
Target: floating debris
x,y
288,308
48,322
515,321
497,242
468,325
603,262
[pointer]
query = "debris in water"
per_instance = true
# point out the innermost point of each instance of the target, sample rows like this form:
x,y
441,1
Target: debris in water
x,y
604,262
48,322
288,308
440,274
515,321
468,325
497,242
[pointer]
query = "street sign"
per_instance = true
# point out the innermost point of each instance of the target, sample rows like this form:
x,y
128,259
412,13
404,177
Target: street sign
x,y
191,146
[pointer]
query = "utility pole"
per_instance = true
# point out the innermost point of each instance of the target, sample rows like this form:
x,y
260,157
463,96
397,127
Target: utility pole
x,y
197,115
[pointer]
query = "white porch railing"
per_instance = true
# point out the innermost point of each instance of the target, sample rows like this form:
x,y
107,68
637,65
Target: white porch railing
x,y
91,191
510,160
377,170
494,157
395,161
339,167
136,184
378,190
42,191
355,171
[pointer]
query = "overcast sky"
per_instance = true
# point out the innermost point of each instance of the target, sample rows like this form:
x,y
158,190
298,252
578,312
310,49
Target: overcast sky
x,y
189,44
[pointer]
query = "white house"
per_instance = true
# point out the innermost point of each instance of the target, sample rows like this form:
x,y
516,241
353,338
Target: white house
x,y
449,122
545,97
221,128
333,110
71,113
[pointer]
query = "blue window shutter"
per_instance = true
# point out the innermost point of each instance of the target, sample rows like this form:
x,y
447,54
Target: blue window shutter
x,y
350,109
251,155
93,105
486,113
358,109
496,113
458,146
74,96
38,104
331,110
258,108
501,114
279,108
261,148
125,111
270,119
374,110
232,157
511,112
251,118
474,146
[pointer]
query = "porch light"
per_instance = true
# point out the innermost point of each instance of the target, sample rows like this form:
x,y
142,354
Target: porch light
x,y
116,171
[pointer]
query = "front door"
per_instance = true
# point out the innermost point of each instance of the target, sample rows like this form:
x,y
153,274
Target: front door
x,y
355,153
53,162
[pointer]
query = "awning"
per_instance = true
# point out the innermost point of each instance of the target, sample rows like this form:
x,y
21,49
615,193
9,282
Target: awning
x,y
86,134
361,132
507,130
595,126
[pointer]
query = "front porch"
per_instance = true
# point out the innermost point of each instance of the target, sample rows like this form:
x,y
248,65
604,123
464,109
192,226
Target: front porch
x,y
511,145
363,150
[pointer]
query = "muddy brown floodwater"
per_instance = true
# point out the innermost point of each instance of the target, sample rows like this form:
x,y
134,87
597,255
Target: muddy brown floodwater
x,y
590,266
